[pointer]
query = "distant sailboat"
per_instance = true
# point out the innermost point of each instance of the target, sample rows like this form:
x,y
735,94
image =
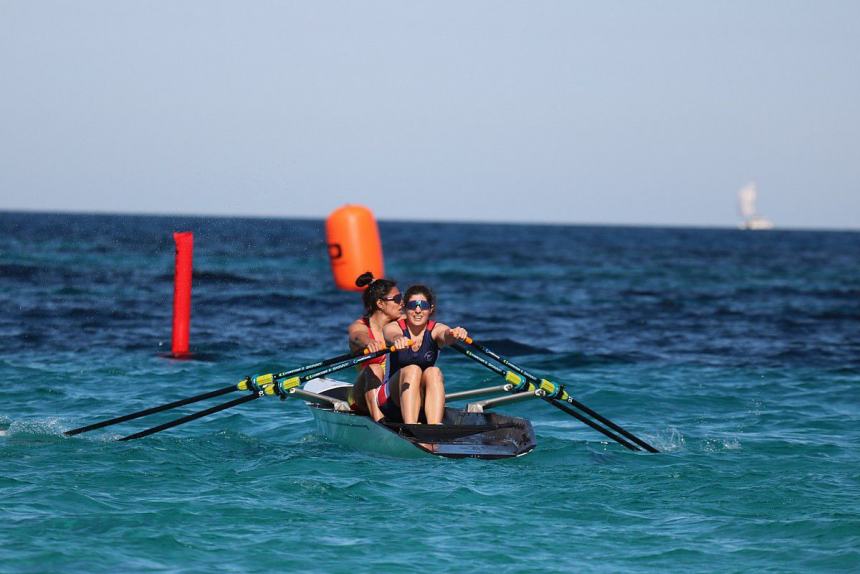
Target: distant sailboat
x,y
746,203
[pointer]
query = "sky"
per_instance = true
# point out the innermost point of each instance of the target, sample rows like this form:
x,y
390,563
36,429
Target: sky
x,y
641,113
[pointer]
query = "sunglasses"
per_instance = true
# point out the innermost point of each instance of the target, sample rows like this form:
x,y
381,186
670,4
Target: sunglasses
x,y
412,305
396,298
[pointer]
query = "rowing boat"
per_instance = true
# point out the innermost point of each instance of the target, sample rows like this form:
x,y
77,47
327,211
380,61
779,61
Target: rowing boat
x,y
462,434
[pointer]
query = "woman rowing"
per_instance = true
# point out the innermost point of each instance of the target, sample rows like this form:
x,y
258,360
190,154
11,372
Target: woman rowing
x,y
414,382
382,305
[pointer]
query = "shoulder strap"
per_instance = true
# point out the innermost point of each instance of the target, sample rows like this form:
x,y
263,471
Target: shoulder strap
x,y
366,321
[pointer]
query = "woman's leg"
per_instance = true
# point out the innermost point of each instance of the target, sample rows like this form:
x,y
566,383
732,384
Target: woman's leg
x,y
433,386
364,393
405,388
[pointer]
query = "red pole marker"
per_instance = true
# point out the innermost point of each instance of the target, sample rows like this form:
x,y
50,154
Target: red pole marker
x,y
182,292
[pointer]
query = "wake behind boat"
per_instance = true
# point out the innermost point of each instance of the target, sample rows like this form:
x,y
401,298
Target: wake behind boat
x,y
462,434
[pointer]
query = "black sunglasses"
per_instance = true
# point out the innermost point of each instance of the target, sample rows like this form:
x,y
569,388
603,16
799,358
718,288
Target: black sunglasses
x,y
418,304
396,298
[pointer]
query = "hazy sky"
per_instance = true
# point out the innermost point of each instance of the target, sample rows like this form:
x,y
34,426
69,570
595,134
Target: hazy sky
x,y
581,112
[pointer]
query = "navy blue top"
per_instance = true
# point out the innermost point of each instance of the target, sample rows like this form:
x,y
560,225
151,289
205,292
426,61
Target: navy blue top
x,y
424,357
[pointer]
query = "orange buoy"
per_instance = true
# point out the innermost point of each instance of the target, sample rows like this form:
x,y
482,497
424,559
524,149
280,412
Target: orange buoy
x,y
353,245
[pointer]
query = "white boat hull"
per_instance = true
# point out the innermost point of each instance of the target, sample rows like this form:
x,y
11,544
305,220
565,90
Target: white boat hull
x,y
494,436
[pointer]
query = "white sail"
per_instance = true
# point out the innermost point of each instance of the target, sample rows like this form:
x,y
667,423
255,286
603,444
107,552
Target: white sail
x,y
747,196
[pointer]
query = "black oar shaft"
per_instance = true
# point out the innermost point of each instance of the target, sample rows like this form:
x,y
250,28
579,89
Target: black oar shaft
x,y
495,368
191,417
352,361
562,406
326,362
502,360
338,363
152,410
235,402
611,425
571,400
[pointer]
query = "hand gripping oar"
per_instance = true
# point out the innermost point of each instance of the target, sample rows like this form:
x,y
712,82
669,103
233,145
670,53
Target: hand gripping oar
x,y
241,386
526,386
264,385
281,387
558,393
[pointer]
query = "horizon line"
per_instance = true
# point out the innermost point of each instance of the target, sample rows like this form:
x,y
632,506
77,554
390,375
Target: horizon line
x,y
74,212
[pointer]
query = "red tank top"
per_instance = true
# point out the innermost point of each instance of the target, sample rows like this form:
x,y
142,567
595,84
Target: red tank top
x,y
377,360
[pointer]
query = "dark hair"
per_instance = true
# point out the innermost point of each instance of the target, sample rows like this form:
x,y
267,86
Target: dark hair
x,y
376,290
421,290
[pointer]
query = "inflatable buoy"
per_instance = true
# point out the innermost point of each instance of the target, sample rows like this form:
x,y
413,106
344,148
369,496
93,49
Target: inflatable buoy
x,y
353,245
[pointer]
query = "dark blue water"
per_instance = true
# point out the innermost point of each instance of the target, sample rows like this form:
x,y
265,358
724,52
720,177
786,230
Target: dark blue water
x,y
735,353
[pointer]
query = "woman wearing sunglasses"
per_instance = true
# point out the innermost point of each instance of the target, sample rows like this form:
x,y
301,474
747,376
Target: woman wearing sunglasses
x,y
414,382
382,305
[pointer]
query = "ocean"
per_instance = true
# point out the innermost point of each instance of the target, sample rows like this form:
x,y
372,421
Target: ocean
x,y
737,354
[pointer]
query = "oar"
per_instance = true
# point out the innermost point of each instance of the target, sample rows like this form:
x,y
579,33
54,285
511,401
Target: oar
x,y
192,416
287,384
560,394
323,363
263,388
151,411
241,386
520,384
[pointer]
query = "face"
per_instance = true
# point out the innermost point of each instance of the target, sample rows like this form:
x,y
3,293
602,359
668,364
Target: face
x,y
418,310
392,303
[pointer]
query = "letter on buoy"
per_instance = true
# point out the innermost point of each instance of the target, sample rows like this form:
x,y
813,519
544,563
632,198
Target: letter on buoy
x,y
353,245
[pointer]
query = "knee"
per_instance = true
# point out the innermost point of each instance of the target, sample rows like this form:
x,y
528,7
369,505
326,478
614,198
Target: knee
x,y
433,377
411,372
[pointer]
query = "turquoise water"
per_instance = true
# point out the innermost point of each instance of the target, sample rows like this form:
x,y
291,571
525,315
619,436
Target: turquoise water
x,y
735,354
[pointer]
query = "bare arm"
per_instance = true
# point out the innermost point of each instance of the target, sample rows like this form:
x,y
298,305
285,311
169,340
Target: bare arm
x,y
394,336
445,335
360,339
392,332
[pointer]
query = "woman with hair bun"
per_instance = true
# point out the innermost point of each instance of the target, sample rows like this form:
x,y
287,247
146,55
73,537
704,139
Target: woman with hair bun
x,y
415,383
382,305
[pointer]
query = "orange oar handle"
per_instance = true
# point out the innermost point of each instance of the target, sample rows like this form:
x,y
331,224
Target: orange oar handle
x,y
393,348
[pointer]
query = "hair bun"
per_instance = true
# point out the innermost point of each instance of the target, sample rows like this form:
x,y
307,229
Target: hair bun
x,y
364,279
